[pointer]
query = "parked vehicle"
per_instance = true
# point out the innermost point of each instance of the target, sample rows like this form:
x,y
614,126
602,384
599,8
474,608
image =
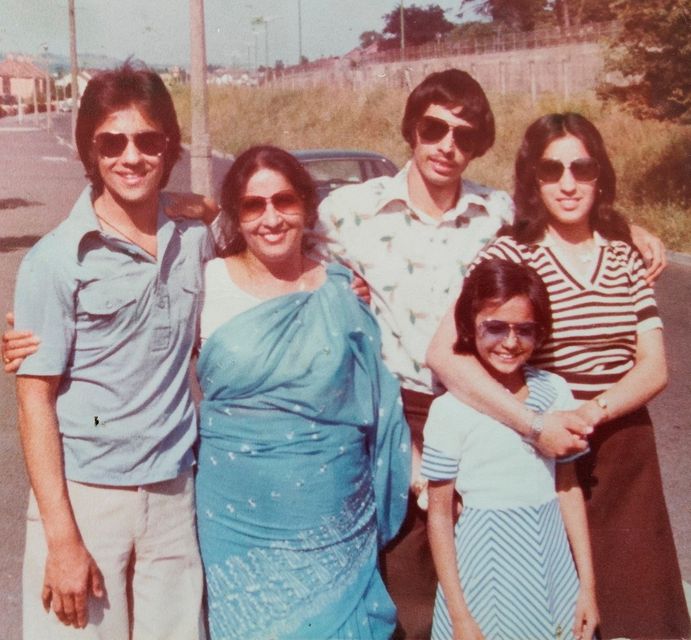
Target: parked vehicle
x,y
8,104
333,168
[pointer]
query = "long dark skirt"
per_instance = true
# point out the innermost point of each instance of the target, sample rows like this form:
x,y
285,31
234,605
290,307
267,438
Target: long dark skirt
x,y
638,582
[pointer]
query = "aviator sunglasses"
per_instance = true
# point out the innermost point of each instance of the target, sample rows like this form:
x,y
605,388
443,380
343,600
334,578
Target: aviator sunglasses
x,y
285,202
499,330
432,130
582,170
112,145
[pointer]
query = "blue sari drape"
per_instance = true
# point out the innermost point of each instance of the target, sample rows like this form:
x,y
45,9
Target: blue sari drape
x,y
303,469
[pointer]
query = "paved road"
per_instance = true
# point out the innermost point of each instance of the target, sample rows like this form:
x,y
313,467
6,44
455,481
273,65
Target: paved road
x,y
40,178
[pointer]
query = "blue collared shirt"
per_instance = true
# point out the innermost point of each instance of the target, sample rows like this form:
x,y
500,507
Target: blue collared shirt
x,y
118,326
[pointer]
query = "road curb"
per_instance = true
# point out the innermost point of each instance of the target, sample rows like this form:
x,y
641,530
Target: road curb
x,y
679,258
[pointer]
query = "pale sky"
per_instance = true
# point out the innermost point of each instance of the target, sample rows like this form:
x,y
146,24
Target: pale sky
x,y
157,31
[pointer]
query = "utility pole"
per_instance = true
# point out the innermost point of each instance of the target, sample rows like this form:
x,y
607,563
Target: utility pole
x,y
300,31
200,149
74,67
402,31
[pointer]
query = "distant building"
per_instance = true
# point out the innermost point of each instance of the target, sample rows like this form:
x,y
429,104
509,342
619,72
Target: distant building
x,y
19,75
64,84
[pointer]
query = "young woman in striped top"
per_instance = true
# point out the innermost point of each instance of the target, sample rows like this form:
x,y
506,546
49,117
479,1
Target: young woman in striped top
x,y
607,343
506,569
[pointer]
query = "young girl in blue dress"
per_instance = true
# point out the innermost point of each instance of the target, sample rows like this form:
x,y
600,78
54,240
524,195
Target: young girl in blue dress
x,y
517,564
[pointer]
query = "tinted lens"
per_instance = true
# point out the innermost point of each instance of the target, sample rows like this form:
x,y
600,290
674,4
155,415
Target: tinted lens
x,y
582,170
548,170
585,169
431,130
151,143
112,145
499,330
526,331
286,202
252,206
465,138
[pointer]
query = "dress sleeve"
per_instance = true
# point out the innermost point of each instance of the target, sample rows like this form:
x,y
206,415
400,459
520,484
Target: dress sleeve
x,y
443,440
647,314
503,248
44,304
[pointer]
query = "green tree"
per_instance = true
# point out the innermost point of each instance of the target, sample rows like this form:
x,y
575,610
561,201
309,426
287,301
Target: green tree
x,y
576,13
526,15
653,53
519,15
421,25
368,38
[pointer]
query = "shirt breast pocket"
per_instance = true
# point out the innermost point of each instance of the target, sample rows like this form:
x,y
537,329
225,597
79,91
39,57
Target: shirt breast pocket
x,y
186,290
103,308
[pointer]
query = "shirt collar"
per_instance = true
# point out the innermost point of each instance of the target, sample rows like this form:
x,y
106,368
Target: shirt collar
x,y
548,241
395,194
84,225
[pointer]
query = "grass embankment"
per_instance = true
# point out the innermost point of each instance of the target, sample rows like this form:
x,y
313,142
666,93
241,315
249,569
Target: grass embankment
x,y
652,159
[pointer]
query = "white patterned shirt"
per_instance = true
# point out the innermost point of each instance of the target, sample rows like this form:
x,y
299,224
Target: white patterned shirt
x,y
414,264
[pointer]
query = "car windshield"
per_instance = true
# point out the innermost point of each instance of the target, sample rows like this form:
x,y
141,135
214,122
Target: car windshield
x,y
341,171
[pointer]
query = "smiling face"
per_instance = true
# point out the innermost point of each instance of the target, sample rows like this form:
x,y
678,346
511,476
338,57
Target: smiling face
x,y
567,200
504,357
275,236
131,178
441,163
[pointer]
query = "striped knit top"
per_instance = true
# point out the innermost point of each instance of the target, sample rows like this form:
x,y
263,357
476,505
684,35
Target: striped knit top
x,y
596,319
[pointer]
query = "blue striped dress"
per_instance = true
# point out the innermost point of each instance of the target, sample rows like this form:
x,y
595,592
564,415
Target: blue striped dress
x,y
513,556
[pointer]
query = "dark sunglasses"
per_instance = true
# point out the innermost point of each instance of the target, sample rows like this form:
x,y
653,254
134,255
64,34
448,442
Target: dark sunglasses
x,y
499,330
285,202
112,145
582,170
432,130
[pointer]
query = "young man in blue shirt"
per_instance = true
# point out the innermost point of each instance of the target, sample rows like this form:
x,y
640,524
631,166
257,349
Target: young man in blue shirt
x,y
106,419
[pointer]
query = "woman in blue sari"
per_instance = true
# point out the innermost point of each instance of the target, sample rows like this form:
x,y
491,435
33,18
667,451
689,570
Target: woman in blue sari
x,y
304,458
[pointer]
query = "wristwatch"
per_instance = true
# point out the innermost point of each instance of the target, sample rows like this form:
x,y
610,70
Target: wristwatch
x,y
536,427
601,402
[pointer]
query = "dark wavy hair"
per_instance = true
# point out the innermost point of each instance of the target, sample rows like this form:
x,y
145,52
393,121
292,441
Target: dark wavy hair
x,y
235,185
496,281
118,89
450,88
531,214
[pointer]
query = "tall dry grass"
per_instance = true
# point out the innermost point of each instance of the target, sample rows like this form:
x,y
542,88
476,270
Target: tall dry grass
x,y
652,159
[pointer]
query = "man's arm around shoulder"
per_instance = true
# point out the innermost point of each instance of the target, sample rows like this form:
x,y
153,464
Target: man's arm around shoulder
x,y
71,575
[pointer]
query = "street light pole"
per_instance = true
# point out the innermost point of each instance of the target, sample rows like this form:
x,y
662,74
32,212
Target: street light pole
x,y
49,117
200,148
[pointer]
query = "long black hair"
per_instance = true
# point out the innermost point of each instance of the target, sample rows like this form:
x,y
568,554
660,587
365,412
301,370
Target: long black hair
x,y
531,214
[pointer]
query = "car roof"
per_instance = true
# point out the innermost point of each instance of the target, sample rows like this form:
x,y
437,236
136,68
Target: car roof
x,y
333,154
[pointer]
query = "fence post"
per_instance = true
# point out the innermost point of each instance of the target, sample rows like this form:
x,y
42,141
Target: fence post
x,y
565,77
